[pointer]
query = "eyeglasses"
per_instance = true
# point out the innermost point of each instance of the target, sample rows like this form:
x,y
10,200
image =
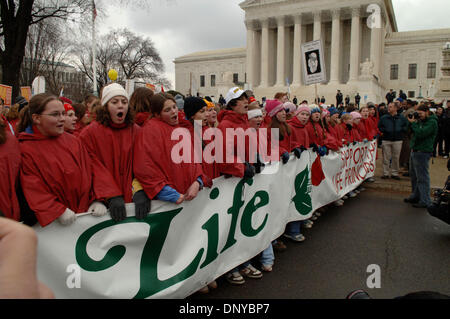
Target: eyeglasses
x,y
56,114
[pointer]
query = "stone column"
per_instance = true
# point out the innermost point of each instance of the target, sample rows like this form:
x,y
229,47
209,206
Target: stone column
x,y
317,25
297,67
355,44
251,34
265,53
281,54
375,50
335,45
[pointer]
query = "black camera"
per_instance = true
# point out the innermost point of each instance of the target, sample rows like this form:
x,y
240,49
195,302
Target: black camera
x,y
414,115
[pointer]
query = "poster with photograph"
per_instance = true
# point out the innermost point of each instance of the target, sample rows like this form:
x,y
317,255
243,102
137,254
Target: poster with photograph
x,y
313,62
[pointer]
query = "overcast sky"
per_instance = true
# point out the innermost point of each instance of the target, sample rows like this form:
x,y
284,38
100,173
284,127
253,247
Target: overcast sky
x,y
180,27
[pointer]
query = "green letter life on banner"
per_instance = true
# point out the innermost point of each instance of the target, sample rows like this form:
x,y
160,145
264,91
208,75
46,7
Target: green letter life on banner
x,y
302,198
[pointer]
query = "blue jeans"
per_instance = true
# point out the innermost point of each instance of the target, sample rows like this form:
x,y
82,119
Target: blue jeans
x,y
420,177
293,228
267,256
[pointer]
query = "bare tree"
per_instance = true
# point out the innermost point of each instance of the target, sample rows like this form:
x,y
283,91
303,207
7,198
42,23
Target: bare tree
x,y
135,58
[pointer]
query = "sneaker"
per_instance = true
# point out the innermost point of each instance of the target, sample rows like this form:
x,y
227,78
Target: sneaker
x,y
279,246
314,217
370,180
204,290
251,272
235,278
318,214
446,156
308,224
352,194
338,203
212,285
297,238
362,189
345,197
411,200
356,191
267,268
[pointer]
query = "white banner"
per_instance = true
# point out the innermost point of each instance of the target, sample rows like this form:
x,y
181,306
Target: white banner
x,y
177,250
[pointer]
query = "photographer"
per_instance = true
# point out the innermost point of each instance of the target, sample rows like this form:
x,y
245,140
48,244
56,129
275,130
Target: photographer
x,y
393,127
424,129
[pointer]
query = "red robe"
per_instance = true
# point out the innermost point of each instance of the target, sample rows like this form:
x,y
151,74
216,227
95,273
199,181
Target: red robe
x,y
9,171
233,120
300,135
79,127
153,164
142,118
9,126
374,124
113,147
57,173
283,146
320,137
337,133
350,136
362,130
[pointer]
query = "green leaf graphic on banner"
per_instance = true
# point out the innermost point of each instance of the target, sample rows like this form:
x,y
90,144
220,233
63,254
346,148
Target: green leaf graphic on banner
x,y
302,198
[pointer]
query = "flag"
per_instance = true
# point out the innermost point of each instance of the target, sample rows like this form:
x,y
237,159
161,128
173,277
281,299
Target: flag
x,y
61,94
94,10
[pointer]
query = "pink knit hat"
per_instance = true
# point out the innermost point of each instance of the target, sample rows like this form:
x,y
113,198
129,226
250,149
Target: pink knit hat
x,y
290,106
325,112
273,107
355,115
303,108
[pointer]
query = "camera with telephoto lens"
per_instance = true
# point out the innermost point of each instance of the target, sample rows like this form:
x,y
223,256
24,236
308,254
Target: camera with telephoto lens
x,y
414,115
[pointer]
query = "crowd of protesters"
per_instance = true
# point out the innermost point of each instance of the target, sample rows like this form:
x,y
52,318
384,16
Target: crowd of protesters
x,y
63,158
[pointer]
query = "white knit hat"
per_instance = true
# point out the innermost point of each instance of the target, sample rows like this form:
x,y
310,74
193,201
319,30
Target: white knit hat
x,y
111,91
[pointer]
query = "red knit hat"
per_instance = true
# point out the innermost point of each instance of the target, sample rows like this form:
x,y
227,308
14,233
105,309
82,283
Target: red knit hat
x,y
273,107
68,107
65,100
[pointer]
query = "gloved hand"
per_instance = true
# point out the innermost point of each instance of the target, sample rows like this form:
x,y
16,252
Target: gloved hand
x,y
117,208
67,218
259,165
97,209
349,126
365,140
354,143
314,147
285,157
250,171
322,151
142,204
298,152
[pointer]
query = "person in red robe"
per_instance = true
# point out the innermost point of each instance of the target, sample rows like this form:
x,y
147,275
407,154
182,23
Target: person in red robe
x,y
110,139
71,119
161,176
9,170
351,135
58,178
277,112
300,137
235,118
318,136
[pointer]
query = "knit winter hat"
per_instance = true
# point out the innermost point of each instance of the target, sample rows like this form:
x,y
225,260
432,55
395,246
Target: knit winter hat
x,y
111,91
314,108
355,115
325,113
68,107
209,105
254,113
303,108
273,107
333,111
192,105
290,106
